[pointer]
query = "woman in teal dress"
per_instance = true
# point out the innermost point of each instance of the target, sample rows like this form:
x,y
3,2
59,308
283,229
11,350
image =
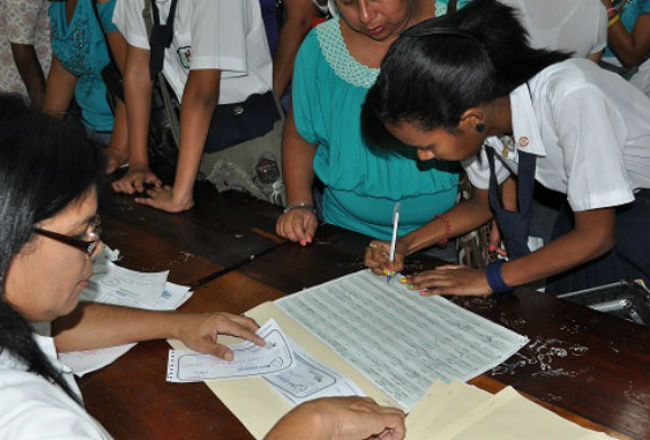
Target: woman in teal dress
x,y
80,53
336,65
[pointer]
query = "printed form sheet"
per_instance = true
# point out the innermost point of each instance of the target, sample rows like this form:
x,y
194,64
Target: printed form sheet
x,y
400,340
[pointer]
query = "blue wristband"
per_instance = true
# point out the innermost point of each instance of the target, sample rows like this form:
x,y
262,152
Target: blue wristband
x,y
494,279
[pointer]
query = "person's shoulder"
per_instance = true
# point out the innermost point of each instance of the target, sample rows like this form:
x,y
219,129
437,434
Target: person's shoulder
x,y
29,404
310,46
566,76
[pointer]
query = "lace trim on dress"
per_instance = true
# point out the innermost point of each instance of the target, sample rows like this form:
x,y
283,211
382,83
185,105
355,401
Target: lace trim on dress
x,y
338,56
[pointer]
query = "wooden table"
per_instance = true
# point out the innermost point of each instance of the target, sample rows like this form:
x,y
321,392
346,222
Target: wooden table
x,y
589,367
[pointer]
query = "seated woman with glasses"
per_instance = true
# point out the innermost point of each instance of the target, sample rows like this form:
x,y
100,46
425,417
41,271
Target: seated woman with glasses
x,y
49,230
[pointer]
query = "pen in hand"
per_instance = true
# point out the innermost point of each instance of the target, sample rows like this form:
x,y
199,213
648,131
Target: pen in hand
x,y
393,241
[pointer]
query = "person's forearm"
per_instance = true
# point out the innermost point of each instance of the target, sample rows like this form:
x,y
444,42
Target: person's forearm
x,y
630,47
303,423
137,90
118,47
30,72
592,237
297,164
59,90
119,136
93,325
300,14
462,218
200,99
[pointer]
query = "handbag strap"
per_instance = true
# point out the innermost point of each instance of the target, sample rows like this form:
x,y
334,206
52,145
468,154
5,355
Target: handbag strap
x,y
174,124
111,88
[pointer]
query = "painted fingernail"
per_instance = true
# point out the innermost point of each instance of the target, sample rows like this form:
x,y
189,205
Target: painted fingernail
x,y
424,291
308,239
492,248
410,286
386,272
403,280
303,242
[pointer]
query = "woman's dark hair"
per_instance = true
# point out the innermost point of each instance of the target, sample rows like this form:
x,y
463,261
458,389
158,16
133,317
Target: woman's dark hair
x,y
441,67
45,164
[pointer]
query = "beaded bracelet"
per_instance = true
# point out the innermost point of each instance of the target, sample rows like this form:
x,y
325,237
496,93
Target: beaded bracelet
x,y
299,205
445,239
494,278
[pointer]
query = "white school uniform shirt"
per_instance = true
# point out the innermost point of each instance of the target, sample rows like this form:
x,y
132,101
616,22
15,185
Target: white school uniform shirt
x,y
31,407
228,35
590,131
578,26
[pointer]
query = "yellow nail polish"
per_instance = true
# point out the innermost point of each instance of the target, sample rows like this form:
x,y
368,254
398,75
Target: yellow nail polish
x,y
386,272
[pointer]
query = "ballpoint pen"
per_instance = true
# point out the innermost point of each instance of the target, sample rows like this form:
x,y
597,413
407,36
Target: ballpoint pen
x,y
393,240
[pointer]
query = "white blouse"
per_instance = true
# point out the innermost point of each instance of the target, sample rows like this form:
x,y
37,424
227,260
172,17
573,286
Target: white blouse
x,y
32,407
589,128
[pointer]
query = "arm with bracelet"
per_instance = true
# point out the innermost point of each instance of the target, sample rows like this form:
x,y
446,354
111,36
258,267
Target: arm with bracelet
x,y
462,218
298,222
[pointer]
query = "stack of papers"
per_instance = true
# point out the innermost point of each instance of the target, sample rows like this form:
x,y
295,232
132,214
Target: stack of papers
x,y
459,411
112,284
398,339
365,336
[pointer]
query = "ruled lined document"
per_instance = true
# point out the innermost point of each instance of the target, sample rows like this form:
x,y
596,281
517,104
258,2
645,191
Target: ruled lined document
x,y
400,340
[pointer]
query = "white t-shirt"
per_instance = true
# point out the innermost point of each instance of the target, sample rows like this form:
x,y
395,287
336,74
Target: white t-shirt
x,y
589,128
32,407
227,35
578,26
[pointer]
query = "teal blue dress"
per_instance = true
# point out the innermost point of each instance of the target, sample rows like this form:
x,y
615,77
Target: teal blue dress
x,y
81,48
361,184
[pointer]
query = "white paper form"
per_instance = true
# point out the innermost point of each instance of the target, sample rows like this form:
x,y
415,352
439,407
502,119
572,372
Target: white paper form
x,y
117,285
249,359
400,340
310,379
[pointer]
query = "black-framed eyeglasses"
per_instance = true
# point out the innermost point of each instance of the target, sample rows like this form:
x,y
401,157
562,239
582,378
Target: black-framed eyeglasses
x,y
87,247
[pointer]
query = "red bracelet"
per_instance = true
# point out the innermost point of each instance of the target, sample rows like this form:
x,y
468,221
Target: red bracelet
x,y
445,239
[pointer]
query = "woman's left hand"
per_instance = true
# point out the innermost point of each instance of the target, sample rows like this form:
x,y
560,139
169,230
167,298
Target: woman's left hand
x,y
450,280
199,331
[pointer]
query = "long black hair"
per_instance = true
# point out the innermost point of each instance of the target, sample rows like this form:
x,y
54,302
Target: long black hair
x,y
45,164
441,67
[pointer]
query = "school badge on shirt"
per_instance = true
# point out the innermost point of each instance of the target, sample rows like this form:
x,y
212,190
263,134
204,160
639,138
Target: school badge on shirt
x,y
185,56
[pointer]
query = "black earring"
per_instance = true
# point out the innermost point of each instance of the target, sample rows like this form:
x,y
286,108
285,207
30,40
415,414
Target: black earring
x,y
480,127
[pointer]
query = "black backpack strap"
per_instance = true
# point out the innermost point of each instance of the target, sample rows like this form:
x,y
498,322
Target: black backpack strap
x,y
160,37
